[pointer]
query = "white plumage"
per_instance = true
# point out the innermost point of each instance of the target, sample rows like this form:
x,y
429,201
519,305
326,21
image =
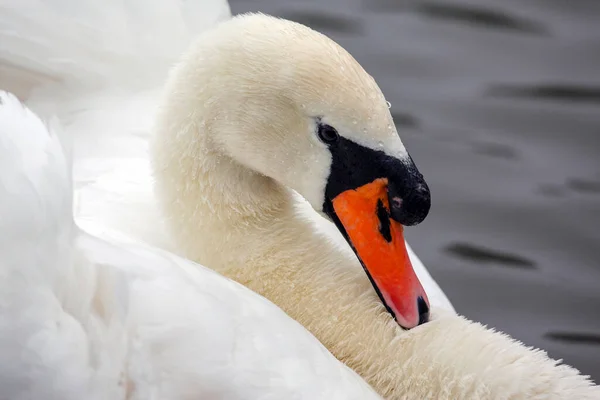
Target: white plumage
x,y
83,317
100,68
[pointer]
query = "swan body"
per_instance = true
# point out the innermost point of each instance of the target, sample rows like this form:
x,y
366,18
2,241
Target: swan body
x,y
85,317
224,203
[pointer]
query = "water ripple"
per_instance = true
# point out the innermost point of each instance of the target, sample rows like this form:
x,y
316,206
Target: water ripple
x,y
555,92
322,21
497,150
405,120
483,255
583,185
467,14
574,337
481,17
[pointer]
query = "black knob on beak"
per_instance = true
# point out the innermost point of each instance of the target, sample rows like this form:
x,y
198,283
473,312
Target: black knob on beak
x,y
409,202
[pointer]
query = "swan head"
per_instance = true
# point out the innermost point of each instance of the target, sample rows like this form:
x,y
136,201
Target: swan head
x,y
291,105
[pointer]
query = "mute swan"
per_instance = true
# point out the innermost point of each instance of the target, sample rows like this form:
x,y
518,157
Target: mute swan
x,y
85,318
306,266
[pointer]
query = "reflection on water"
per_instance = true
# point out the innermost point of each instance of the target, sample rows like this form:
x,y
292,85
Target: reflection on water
x,y
498,104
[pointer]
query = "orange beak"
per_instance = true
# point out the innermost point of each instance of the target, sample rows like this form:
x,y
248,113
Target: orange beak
x,y
378,241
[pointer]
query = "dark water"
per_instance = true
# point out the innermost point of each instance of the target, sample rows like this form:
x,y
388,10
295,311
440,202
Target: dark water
x,y
498,102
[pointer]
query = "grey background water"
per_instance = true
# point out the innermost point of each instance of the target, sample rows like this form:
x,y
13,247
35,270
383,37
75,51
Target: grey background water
x,y
498,102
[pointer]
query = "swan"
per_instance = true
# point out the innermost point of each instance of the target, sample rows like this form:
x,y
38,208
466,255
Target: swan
x,y
275,240
84,317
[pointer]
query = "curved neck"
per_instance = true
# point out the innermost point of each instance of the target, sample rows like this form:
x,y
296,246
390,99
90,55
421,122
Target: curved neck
x,y
203,192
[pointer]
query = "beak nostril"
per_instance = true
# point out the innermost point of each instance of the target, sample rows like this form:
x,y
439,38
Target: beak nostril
x,y
396,202
423,310
409,208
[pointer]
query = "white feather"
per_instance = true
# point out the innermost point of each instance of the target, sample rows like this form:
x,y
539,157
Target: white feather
x,y
130,42
82,317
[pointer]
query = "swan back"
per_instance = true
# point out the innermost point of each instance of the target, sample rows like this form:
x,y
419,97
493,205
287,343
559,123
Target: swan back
x,y
83,317
35,186
125,43
42,347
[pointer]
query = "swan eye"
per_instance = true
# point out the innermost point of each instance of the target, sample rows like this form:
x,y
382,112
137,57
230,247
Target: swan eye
x,y
328,134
